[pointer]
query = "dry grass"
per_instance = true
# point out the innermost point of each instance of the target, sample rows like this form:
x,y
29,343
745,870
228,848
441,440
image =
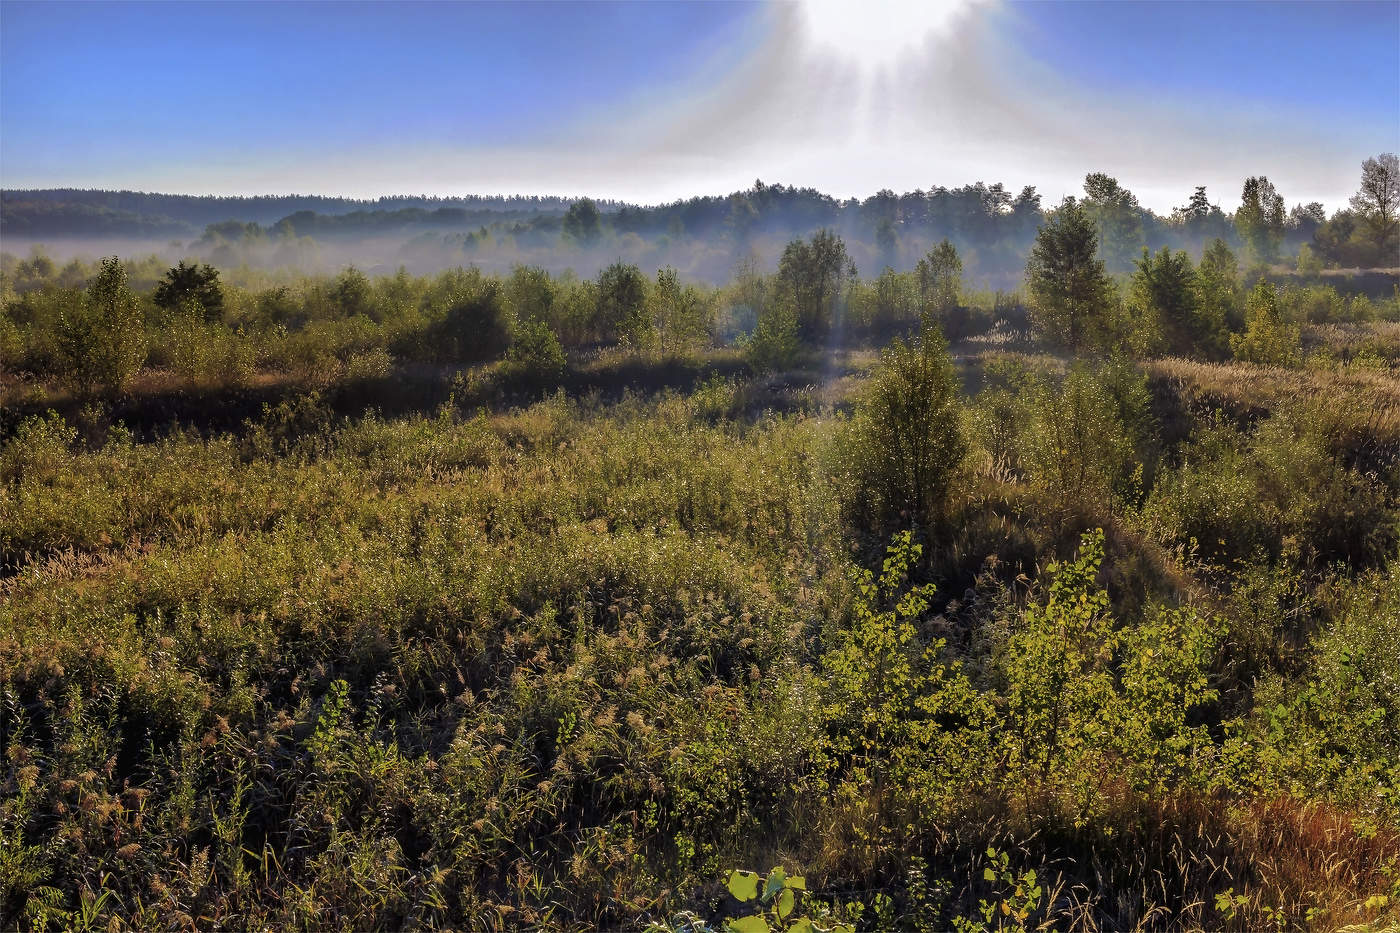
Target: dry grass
x,y
1355,399
1383,337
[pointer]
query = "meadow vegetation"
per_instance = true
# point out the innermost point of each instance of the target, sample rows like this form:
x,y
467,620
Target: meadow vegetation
x,y
805,602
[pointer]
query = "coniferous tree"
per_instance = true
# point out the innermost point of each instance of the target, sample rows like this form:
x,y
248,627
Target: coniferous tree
x,y
1217,279
1070,292
188,282
1165,292
1260,219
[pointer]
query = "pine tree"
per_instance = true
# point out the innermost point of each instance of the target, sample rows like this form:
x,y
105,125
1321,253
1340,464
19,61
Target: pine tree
x,y
1070,292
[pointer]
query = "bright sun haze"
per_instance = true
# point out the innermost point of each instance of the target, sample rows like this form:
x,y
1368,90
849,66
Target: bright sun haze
x,y
650,102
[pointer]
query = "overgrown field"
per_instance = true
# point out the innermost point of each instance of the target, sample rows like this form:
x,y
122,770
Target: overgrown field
x,y
1019,634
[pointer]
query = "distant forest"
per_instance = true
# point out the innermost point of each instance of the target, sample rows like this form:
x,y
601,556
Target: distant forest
x,y
705,238
58,212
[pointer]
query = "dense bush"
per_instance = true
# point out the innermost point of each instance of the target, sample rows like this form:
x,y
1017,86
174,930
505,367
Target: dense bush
x,y
535,352
904,445
470,325
1267,339
102,340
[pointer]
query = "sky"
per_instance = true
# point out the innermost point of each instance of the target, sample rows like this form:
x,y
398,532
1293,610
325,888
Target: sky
x,y
653,101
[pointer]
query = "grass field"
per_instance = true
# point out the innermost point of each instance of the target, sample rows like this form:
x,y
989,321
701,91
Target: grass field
x,y
428,644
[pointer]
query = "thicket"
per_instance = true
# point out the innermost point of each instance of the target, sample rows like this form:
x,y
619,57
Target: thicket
x,y
1039,629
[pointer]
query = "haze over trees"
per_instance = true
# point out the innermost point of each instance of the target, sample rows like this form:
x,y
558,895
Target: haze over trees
x,y
703,238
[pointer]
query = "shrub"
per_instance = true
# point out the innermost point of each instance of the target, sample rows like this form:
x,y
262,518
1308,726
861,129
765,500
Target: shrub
x,y
681,313
187,283
622,305
352,294
368,365
471,325
530,293
774,345
536,354
891,697
906,441
1267,340
1236,494
11,343
1309,263
1081,446
37,450
102,342
1081,690
203,353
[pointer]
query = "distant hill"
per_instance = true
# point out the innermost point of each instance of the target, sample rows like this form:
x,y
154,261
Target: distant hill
x,y
72,212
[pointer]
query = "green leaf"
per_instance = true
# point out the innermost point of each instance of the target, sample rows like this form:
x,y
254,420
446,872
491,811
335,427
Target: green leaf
x,y
775,883
802,926
749,925
743,885
797,883
786,900
988,875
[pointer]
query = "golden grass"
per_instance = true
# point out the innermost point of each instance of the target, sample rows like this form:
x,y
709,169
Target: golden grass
x,y
1357,397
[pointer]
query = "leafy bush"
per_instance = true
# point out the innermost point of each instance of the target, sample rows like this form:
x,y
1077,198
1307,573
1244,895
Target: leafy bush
x,y
774,345
622,306
470,323
102,342
890,697
1071,710
1235,495
536,354
1082,444
1267,340
205,354
905,442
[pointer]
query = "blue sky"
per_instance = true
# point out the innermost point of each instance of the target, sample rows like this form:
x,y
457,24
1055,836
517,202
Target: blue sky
x,y
652,101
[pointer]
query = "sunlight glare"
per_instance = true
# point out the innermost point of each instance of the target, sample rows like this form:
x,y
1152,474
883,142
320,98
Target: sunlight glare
x,y
873,33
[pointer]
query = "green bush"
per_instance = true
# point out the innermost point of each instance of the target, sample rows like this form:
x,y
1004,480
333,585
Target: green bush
x,y
775,345
536,354
1267,340
470,321
1084,693
904,444
102,341
205,354
1082,448
1277,489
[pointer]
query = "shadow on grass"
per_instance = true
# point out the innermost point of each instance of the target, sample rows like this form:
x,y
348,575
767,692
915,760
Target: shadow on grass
x,y
412,388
